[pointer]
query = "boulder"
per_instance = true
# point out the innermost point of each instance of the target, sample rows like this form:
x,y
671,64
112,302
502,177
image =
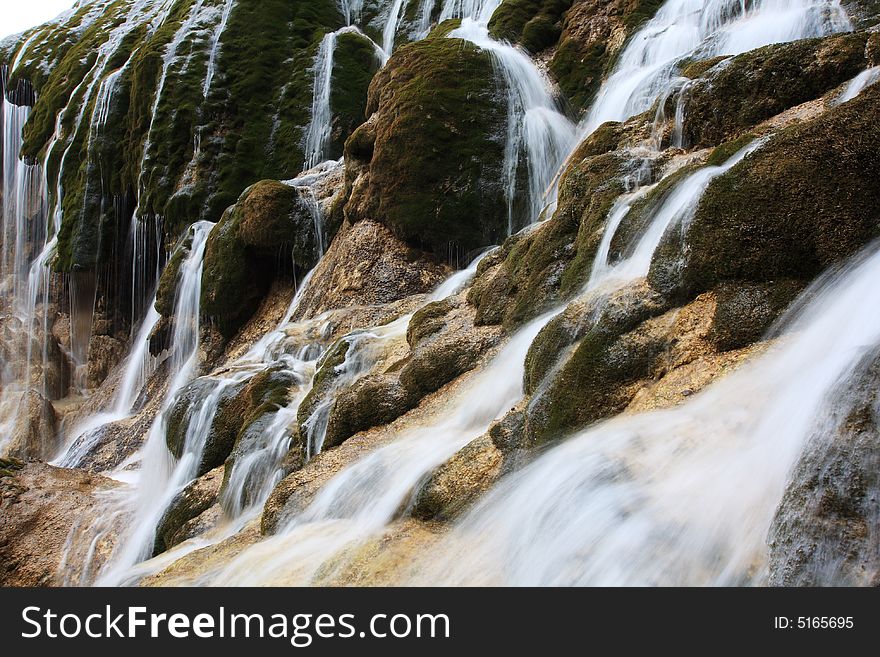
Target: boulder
x,y
196,498
757,85
428,164
804,201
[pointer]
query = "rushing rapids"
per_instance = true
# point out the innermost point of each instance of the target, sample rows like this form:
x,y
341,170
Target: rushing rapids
x,y
229,247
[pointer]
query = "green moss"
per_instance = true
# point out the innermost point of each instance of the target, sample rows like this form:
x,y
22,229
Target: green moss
x,y
354,65
806,199
166,292
437,148
585,56
695,69
728,149
534,24
760,84
552,263
269,231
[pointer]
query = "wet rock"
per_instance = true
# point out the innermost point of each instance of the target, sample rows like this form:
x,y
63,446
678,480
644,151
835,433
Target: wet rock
x,y
534,24
105,353
805,200
428,164
826,531
553,261
745,311
35,434
594,33
606,368
757,85
459,482
269,230
367,265
189,504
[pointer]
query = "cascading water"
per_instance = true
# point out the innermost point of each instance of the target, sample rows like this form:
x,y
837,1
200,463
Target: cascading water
x,y
537,131
675,210
701,29
858,84
366,496
682,496
215,47
159,479
317,139
392,23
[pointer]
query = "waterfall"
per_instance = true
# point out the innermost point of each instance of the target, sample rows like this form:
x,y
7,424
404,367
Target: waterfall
x,y
674,210
537,131
477,10
318,133
362,499
215,46
702,29
683,496
159,479
858,84
392,22
351,10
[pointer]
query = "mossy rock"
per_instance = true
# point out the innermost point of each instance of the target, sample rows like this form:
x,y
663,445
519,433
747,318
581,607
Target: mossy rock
x,y
605,317
593,35
553,262
326,375
224,427
166,292
435,144
760,84
269,231
595,381
696,69
805,200
372,401
744,312
355,62
196,498
534,24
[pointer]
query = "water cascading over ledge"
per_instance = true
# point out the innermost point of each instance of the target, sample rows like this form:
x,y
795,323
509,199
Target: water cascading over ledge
x,y
337,412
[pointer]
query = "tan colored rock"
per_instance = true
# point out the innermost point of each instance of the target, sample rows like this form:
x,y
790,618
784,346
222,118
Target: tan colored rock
x,y
386,560
367,265
40,508
35,435
460,482
105,353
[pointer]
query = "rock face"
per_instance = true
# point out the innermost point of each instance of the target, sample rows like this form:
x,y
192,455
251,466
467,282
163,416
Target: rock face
x,y
271,229
593,34
748,89
827,529
802,202
428,163
35,434
39,507
189,505
367,265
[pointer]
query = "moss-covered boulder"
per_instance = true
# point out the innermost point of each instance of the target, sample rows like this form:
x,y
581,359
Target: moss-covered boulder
x,y
166,292
355,62
533,24
806,199
553,262
428,164
225,424
746,311
755,86
593,35
269,231
196,498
